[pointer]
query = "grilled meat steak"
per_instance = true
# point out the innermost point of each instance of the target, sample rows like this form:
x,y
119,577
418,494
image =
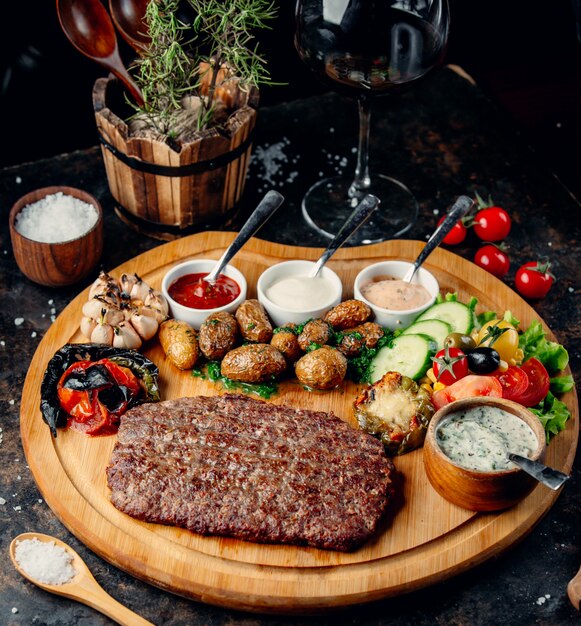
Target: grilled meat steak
x,y
238,467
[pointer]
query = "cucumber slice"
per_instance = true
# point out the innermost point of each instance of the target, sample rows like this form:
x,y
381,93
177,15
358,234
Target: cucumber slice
x,y
458,315
410,355
436,329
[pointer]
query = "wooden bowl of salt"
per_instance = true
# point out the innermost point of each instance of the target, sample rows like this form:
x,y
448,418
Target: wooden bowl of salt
x,y
57,235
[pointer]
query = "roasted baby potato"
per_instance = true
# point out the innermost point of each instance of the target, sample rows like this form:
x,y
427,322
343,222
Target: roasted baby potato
x,y
253,322
286,341
180,343
253,363
324,368
218,335
315,332
348,314
354,339
397,411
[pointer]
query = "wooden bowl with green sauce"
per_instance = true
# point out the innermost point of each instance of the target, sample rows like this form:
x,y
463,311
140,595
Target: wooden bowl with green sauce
x,y
466,452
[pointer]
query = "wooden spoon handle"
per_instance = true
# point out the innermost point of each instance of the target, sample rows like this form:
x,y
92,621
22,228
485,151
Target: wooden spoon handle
x,y
574,589
93,595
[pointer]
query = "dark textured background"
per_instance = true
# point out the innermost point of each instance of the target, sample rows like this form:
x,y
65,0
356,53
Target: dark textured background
x,y
524,53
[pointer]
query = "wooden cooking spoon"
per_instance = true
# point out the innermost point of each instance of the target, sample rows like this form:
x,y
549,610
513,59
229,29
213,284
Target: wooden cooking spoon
x,y
83,587
128,16
89,28
574,589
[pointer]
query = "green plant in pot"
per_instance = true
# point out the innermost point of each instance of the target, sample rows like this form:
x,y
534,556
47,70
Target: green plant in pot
x,y
179,162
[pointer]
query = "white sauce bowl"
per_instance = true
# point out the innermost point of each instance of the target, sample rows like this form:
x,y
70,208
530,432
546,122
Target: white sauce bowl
x,y
195,317
390,318
290,269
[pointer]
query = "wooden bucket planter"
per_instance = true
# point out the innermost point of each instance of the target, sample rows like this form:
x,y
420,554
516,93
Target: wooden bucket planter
x,y
167,193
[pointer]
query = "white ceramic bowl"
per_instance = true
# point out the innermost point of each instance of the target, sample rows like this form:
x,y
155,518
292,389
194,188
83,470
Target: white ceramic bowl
x,y
195,317
280,315
390,318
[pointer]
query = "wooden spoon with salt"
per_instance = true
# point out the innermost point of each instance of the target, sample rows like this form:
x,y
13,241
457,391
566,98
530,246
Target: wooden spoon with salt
x,y
83,587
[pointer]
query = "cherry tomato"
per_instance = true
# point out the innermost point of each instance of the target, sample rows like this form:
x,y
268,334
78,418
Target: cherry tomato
x,y
514,381
450,365
492,224
500,335
468,387
539,382
533,279
493,260
456,235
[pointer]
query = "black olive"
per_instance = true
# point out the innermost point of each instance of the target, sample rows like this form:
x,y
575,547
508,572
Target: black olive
x,y
458,340
483,360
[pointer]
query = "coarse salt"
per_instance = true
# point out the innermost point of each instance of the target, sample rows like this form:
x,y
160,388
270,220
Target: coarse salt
x,y
56,218
45,561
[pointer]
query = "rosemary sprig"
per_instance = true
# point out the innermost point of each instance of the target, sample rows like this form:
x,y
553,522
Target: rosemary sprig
x,y
221,41
165,71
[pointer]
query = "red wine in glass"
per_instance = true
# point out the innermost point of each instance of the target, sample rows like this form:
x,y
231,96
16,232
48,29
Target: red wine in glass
x,y
368,48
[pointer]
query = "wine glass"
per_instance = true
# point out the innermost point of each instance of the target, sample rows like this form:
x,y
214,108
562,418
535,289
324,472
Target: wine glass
x,y
367,48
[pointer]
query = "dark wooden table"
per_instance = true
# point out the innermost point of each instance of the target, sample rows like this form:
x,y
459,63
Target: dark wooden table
x,y
443,139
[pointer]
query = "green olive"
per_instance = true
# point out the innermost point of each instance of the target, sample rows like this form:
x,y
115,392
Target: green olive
x,y
458,340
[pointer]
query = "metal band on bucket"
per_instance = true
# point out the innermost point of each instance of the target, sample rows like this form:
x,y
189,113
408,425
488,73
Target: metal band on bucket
x,y
179,170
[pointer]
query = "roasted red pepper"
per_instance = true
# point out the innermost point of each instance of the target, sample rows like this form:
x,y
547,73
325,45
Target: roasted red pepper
x,y
95,393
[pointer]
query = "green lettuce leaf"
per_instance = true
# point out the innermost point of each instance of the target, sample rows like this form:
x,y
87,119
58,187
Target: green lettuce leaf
x,y
553,415
562,384
552,355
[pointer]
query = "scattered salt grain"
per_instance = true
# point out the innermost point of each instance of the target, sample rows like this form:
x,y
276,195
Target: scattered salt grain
x,y
2,501
2,343
33,334
18,321
17,508
14,610
56,218
18,180
11,402
45,561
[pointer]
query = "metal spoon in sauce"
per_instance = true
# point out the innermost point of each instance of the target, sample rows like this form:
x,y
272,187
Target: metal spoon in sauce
x,y
462,205
90,29
83,587
358,217
548,476
265,209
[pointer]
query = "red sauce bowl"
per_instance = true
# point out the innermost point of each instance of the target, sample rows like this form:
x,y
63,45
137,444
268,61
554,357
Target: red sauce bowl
x,y
179,283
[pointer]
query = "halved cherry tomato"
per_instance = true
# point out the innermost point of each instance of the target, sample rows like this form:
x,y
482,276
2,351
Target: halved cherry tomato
x,y
514,381
450,365
534,279
493,260
468,387
539,382
456,235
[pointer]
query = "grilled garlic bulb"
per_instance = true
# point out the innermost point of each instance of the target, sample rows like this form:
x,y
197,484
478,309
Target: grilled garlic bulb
x,y
122,313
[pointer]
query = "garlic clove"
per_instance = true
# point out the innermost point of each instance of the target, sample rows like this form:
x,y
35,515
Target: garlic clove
x,y
95,308
145,326
125,336
103,283
102,333
140,290
156,301
87,326
127,282
113,316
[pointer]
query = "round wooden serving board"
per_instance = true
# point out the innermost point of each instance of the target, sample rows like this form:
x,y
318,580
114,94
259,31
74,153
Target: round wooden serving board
x,y
424,540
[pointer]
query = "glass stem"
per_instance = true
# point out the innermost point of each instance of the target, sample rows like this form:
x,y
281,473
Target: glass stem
x,y
362,181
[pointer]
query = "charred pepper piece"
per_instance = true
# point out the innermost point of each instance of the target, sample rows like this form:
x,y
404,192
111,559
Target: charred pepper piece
x,y
99,378
397,411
